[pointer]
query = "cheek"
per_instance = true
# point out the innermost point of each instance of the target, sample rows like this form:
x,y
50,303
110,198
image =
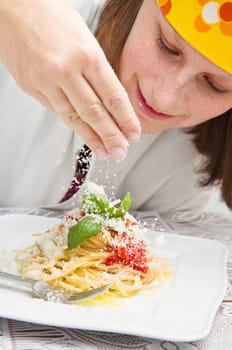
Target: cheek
x,y
207,108
138,57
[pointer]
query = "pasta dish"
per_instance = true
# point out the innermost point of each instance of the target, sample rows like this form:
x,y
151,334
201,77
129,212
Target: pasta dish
x,y
95,244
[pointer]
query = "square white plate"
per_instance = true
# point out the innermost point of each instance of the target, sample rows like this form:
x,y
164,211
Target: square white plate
x,y
182,310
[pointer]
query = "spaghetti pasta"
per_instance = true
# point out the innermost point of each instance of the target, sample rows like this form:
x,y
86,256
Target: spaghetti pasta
x,y
117,254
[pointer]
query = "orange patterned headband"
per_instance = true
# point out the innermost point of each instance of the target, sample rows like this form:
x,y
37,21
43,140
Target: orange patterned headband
x,y
205,25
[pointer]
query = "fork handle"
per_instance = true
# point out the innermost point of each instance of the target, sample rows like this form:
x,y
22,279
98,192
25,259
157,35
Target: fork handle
x,y
11,277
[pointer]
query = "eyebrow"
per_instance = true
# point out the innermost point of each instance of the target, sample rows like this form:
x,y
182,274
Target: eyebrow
x,y
226,77
177,38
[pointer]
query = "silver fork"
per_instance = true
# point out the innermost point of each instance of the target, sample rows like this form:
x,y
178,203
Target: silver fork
x,y
49,293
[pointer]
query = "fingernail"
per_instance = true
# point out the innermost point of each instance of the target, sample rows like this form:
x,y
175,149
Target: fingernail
x,y
133,137
101,152
118,153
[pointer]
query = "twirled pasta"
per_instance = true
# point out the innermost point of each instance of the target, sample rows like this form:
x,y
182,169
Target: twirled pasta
x,y
120,258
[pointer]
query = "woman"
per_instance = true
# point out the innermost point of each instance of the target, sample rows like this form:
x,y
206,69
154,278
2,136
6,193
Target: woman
x,y
161,170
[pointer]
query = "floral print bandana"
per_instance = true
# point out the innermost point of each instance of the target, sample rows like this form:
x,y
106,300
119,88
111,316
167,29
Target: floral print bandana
x,y
205,25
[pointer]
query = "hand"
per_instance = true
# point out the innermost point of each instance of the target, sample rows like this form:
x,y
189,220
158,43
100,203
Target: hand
x,y
55,58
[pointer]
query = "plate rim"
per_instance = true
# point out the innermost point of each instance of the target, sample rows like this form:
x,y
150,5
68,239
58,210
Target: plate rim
x,y
199,335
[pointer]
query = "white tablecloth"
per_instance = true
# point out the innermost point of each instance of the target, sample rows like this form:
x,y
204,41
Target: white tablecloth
x,y
18,335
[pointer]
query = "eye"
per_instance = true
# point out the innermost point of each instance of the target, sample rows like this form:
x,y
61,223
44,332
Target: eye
x,y
165,48
214,88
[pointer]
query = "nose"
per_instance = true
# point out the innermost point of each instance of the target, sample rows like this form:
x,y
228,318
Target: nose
x,y
169,94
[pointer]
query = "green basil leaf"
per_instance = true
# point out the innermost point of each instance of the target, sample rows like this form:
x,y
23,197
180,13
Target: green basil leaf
x,y
84,229
124,207
96,204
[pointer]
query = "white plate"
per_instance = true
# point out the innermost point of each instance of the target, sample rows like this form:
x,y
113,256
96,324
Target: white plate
x,y
182,311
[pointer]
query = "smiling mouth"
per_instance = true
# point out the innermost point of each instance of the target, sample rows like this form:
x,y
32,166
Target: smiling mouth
x,y
148,110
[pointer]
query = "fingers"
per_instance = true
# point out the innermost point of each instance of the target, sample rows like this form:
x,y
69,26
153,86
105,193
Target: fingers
x,y
102,79
61,106
91,110
100,100
102,128
73,80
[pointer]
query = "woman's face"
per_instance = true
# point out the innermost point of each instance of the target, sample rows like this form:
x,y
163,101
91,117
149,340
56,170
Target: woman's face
x,y
169,83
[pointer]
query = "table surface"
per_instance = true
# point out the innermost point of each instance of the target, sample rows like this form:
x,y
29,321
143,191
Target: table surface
x,y
18,335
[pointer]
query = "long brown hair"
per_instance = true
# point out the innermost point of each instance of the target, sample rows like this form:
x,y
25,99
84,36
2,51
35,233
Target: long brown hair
x,y
213,138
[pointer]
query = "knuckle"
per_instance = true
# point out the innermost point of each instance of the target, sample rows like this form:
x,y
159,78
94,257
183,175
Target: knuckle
x,y
63,67
94,113
112,138
116,101
70,117
88,57
128,125
60,68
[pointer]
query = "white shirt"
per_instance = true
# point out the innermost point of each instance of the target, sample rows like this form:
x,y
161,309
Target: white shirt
x,y
37,156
